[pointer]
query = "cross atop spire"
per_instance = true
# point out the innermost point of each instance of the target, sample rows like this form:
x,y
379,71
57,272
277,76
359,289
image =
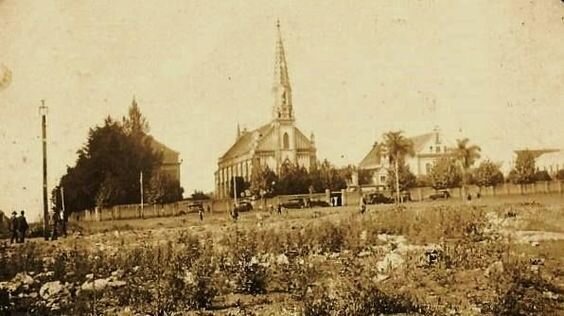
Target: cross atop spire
x,y
282,109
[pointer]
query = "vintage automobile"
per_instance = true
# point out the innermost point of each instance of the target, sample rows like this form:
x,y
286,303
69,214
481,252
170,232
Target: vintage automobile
x,y
378,198
243,206
293,203
443,194
318,203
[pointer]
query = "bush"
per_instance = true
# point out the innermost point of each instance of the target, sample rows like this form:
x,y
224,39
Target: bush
x,y
560,174
542,175
242,264
522,292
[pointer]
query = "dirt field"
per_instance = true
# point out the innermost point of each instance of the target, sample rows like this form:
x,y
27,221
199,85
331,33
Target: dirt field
x,y
502,256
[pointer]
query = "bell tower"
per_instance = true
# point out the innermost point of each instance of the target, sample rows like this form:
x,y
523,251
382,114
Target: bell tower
x,y
282,109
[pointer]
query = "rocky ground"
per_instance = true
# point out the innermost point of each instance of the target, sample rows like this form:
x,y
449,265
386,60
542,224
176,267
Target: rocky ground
x,y
486,257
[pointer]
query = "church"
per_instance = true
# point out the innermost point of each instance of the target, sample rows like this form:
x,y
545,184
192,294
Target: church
x,y
272,144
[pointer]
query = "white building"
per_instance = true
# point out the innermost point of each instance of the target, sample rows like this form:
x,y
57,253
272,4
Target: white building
x,y
427,147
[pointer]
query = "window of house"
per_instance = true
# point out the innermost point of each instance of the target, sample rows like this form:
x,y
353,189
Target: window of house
x,y
286,141
438,149
428,167
382,179
431,148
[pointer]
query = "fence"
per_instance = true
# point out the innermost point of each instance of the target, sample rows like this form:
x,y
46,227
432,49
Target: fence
x,y
499,190
336,198
133,211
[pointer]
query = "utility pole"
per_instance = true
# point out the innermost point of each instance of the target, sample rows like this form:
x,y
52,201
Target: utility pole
x,y
43,112
63,210
141,189
234,190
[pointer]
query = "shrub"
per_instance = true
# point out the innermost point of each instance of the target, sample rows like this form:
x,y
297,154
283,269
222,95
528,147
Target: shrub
x,y
242,265
522,292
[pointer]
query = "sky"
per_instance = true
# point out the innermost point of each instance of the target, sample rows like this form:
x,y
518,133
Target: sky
x,y
492,71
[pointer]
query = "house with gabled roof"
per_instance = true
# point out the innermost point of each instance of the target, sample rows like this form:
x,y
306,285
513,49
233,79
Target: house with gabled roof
x,y
427,148
272,144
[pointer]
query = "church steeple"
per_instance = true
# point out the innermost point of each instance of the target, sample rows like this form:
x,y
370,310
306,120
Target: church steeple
x,y
282,109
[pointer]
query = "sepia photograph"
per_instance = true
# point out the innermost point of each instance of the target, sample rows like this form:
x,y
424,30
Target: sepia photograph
x,y
282,158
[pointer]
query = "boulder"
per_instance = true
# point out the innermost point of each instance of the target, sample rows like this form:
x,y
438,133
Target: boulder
x,y
98,284
282,259
51,289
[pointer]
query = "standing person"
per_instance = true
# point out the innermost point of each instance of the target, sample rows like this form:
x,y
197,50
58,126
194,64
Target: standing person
x,y
22,226
362,205
13,227
201,213
55,220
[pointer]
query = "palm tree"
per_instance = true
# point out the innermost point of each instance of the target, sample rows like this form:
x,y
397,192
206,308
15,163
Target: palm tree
x,y
397,146
466,155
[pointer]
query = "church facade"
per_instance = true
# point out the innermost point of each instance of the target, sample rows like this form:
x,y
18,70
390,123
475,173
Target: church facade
x,y
272,144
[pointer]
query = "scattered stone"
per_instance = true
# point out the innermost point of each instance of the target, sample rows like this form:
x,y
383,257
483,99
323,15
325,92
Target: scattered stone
x,y
390,261
364,235
494,269
282,259
23,279
117,283
98,284
535,243
380,277
50,289
550,295
536,261
364,253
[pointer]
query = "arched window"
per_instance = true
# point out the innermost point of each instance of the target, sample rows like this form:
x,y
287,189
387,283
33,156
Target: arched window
x,y
286,141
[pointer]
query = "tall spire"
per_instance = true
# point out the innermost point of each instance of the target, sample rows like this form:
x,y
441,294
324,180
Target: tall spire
x,y
282,109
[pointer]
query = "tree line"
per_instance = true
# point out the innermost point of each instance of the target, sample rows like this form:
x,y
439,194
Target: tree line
x,y
110,165
292,179
457,169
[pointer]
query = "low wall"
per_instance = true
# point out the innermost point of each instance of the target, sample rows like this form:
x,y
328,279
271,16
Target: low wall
x,y
133,211
499,190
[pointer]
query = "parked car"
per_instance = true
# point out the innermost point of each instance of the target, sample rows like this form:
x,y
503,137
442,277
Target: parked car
x,y
318,203
244,206
195,207
293,203
378,198
443,194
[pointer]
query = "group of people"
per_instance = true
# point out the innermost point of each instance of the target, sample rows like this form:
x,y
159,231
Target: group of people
x,y
18,227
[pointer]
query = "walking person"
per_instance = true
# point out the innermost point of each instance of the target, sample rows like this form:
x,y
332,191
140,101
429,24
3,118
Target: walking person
x,y
55,220
13,227
22,226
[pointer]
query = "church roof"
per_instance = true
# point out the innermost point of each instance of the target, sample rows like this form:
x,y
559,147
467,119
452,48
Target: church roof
x,y
245,142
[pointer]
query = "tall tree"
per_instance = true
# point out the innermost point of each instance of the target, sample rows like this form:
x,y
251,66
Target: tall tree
x,y
445,174
406,178
466,156
108,165
163,189
397,147
263,180
488,174
524,171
